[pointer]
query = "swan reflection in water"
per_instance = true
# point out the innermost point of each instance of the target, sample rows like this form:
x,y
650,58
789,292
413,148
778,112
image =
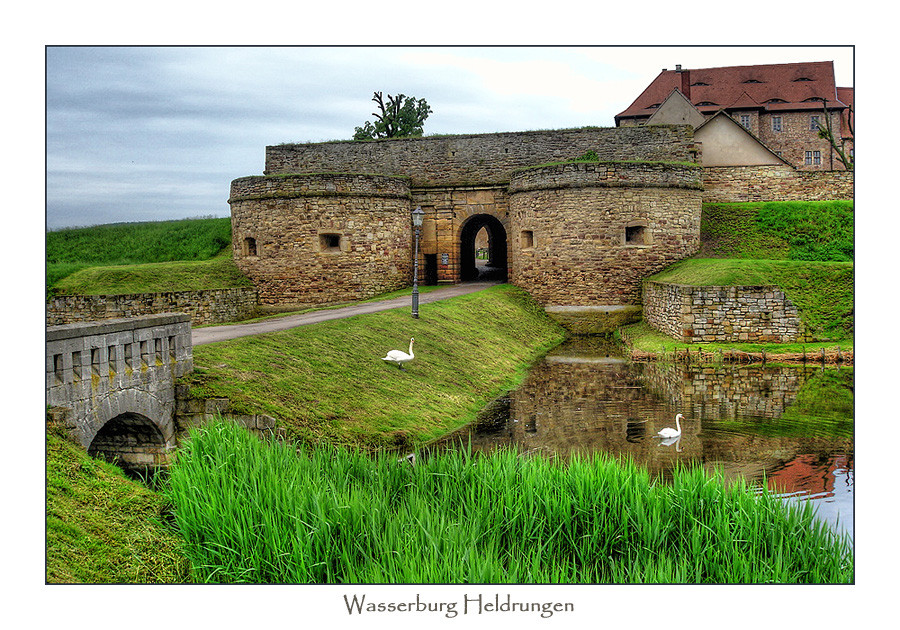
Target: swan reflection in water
x,y
673,441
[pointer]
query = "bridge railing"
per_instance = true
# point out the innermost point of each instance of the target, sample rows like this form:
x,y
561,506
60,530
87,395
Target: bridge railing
x,y
109,354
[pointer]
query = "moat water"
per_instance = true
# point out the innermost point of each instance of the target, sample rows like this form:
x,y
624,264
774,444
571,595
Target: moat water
x,y
789,428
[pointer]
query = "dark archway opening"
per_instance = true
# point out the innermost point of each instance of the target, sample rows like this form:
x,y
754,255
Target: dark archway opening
x,y
131,441
489,261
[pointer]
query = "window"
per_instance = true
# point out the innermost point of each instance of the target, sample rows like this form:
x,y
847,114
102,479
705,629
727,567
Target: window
x,y
813,123
111,359
808,158
76,366
745,121
172,348
637,235
776,124
776,100
527,239
250,246
752,81
330,243
817,157
802,79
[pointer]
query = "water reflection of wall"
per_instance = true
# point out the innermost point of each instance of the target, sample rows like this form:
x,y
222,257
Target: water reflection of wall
x,y
584,405
727,391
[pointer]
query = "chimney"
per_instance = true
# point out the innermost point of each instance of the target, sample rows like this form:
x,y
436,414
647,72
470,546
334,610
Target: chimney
x,y
685,81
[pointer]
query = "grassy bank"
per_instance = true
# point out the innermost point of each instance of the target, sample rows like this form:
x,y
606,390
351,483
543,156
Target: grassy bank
x,y
73,249
103,527
778,230
328,382
216,273
251,511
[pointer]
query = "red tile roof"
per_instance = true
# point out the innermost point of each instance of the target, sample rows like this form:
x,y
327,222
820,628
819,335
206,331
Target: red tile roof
x,y
772,87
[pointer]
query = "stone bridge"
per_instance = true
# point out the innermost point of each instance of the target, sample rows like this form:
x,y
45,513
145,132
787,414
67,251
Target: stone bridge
x,y
113,384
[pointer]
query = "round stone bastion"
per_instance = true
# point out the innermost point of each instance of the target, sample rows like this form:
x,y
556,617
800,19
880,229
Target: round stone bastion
x,y
322,238
583,235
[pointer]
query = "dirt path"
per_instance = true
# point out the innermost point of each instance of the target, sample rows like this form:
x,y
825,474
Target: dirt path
x,y
211,334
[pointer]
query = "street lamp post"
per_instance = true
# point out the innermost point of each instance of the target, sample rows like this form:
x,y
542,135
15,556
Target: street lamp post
x,y
417,216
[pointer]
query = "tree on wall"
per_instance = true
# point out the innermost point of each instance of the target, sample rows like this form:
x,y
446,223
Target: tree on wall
x,y
400,117
827,133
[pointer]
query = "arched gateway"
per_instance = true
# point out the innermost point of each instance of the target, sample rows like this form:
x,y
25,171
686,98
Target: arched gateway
x,y
496,263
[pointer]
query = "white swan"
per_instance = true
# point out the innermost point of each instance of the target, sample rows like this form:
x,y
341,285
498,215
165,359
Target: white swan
x,y
399,357
671,433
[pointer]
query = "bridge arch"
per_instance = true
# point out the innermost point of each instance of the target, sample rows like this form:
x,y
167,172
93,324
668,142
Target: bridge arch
x,y
497,265
131,440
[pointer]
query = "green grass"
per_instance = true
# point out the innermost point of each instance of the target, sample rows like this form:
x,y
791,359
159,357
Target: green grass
x,y
821,291
103,527
72,249
782,230
216,273
328,382
258,512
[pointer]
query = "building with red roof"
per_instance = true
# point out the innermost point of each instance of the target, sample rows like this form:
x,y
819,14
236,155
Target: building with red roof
x,y
781,105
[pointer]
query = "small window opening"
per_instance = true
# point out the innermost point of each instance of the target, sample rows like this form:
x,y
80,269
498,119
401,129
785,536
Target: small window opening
x,y
636,235
330,242
111,359
129,355
145,353
172,349
250,246
76,366
95,361
58,367
527,239
157,343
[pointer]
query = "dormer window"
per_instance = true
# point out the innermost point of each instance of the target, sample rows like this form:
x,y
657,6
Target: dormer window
x,y
707,104
752,81
802,79
776,100
700,83
654,106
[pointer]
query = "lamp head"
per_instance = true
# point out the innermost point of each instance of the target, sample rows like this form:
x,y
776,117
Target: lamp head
x,y
417,216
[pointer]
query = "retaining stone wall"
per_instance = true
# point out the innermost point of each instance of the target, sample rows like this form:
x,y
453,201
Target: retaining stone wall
x,y
760,314
734,184
212,306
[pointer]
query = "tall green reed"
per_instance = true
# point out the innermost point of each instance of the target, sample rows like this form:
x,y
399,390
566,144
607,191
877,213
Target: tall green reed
x,y
253,511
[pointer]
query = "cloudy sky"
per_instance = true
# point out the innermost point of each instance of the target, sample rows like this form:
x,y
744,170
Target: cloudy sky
x,y
155,133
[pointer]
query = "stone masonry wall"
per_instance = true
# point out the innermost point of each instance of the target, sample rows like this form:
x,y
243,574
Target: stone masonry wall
x,y
204,307
733,184
722,314
483,159
322,238
587,233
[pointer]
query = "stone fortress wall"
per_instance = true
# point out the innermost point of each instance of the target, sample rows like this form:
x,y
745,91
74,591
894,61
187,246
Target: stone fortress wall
x,y
601,227
322,238
642,198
